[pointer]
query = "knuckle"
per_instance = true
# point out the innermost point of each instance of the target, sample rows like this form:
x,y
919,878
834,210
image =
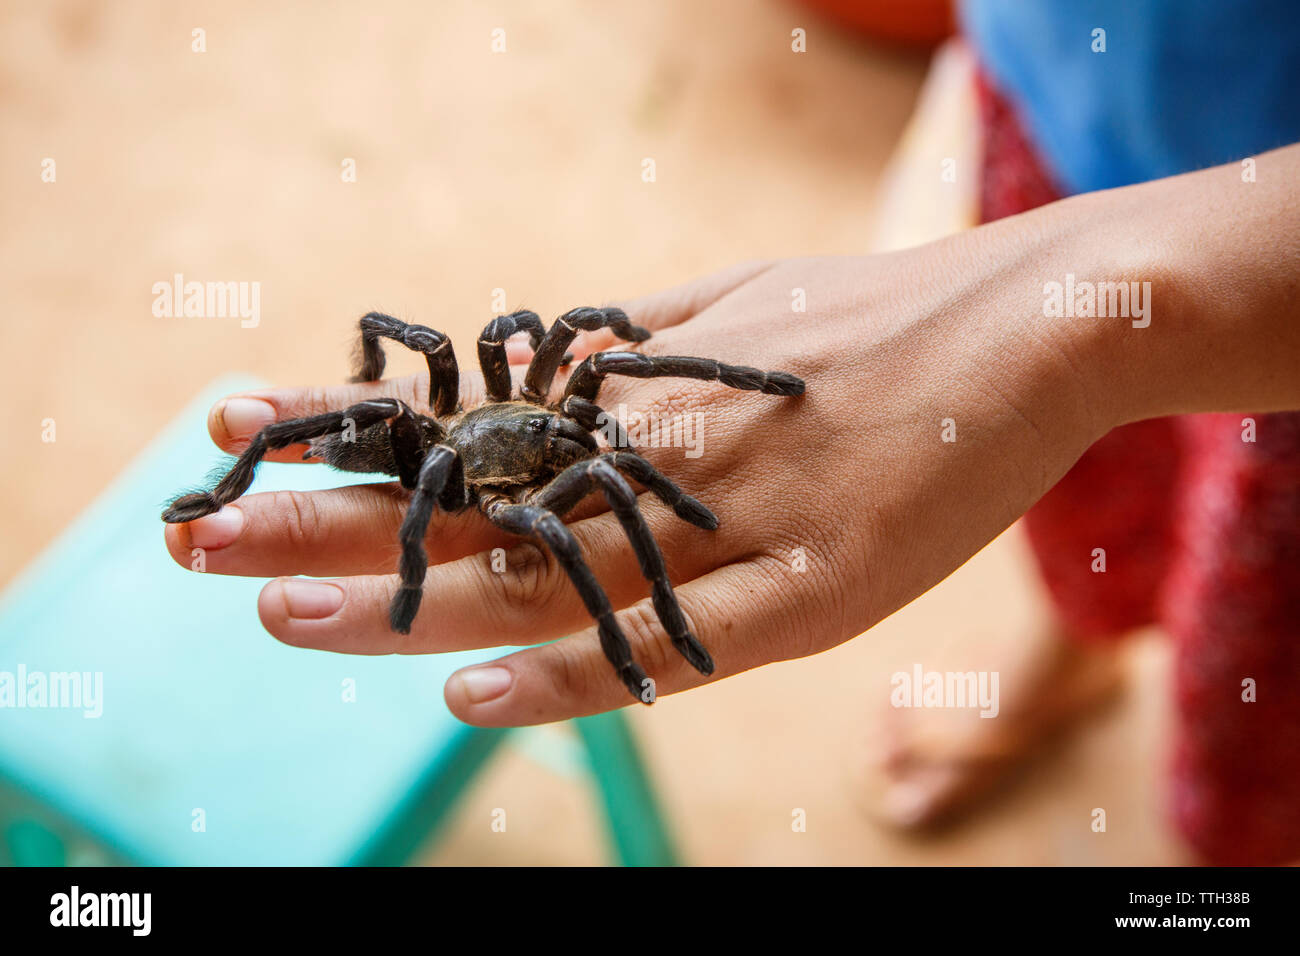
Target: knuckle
x,y
388,509
804,576
299,518
317,400
529,581
576,674
681,396
414,390
650,644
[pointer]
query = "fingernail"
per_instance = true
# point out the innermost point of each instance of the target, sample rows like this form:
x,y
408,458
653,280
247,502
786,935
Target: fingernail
x,y
310,600
245,417
482,684
217,530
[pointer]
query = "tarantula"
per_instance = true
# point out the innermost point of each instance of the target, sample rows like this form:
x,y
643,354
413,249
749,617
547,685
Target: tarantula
x,y
523,462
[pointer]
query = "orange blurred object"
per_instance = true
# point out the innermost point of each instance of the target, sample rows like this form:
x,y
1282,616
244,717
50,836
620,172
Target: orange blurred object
x,y
923,23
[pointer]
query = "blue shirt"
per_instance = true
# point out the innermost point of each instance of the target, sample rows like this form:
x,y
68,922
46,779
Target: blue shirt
x,y
1182,84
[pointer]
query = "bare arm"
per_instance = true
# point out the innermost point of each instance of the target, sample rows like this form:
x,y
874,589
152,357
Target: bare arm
x,y
1222,254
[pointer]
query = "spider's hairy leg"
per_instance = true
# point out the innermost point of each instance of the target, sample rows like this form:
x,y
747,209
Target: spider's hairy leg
x,y
594,418
434,472
531,521
587,378
444,375
575,483
551,353
279,435
683,505
492,349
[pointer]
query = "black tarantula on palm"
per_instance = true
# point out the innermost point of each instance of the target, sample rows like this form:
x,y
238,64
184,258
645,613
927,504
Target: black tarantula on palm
x,y
523,462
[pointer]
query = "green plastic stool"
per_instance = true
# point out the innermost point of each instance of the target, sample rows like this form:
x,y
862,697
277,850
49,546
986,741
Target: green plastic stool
x,y
201,709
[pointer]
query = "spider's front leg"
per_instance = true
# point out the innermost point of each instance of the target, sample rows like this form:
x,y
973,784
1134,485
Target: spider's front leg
x,y
576,482
587,378
444,374
402,434
492,349
552,352
531,521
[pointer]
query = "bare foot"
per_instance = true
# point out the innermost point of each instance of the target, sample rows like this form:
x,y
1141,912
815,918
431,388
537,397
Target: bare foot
x,y
924,764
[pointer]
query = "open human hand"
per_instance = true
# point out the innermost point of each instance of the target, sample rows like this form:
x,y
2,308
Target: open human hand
x,y
812,495
940,405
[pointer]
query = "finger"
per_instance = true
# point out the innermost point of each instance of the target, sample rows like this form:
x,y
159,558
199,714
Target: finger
x,y
742,615
237,418
671,306
519,352
349,530
659,310
469,603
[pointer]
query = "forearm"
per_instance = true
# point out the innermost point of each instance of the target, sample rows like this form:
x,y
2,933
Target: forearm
x,y
1222,259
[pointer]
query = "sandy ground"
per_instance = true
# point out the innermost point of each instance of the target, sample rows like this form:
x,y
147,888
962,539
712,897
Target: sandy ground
x,y
475,172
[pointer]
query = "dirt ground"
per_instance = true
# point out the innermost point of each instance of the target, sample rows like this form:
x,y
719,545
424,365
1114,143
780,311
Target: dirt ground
x,y
478,171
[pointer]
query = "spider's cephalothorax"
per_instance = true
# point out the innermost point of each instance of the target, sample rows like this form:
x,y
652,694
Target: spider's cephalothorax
x,y
523,462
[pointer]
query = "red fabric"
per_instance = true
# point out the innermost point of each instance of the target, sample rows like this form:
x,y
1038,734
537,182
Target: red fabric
x,y
1116,500
1201,532
1013,179
1232,604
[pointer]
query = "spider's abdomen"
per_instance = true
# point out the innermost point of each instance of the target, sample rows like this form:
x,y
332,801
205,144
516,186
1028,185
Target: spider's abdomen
x,y
368,450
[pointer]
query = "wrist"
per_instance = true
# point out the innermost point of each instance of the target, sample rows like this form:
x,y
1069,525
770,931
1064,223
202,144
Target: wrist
x,y
1110,304
1072,291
